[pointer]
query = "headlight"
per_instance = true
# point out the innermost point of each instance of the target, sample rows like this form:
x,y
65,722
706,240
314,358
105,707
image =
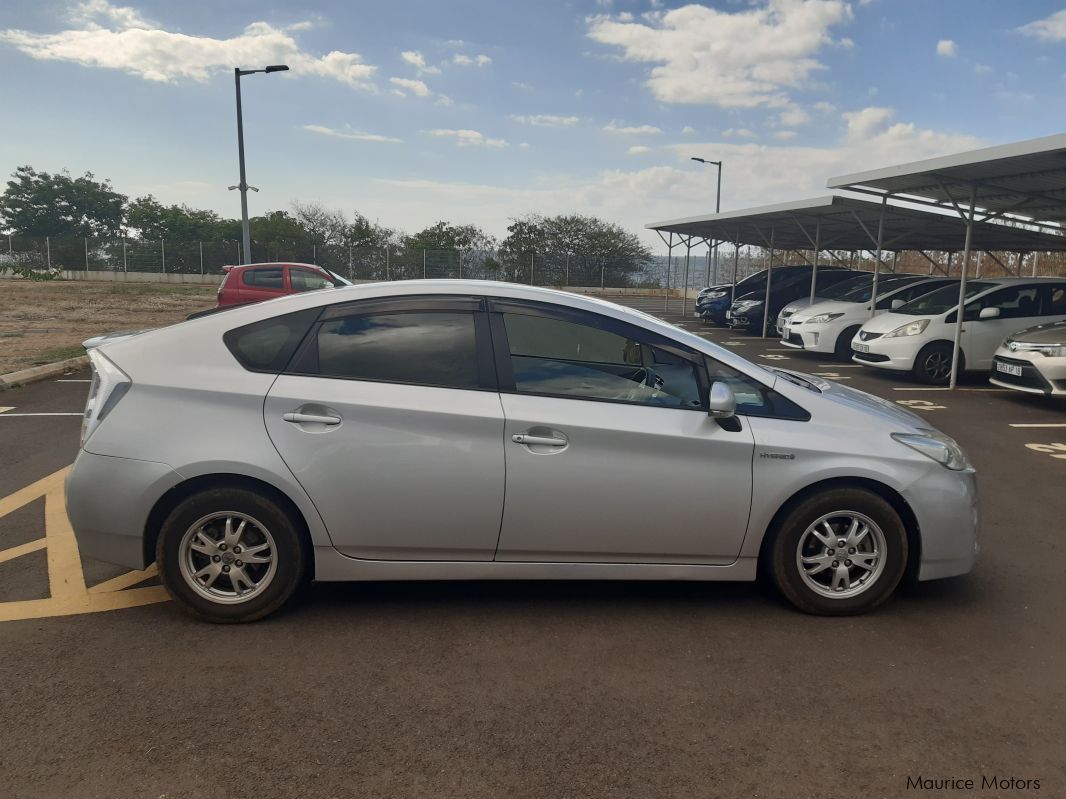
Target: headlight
x,y
937,446
1050,350
109,385
915,328
823,317
713,295
1053,351
743,305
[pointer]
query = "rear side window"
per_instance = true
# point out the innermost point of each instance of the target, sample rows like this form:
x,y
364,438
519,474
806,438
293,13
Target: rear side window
x,y
430,348
268,345
269,278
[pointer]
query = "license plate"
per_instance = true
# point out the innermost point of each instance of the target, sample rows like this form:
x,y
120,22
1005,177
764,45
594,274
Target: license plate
x,y
728,314
1009,368
861,347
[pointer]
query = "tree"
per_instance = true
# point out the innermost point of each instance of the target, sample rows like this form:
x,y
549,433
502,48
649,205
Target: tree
x,y
43,204
446,236
153,220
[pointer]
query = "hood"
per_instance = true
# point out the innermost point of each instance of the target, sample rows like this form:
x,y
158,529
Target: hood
x,y
829,306
885,322
892,415
1049,333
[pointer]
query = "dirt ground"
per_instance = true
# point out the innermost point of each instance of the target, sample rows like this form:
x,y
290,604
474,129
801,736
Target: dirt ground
x,y
46,321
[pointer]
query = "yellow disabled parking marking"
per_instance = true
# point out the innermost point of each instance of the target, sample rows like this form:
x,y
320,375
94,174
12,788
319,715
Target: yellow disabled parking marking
x,y
68,594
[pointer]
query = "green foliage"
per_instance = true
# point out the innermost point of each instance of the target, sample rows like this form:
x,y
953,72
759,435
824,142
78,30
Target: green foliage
x,y
446,236
42,204
154,221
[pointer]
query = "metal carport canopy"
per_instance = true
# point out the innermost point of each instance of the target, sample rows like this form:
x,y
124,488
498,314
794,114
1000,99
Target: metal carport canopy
x,y
848,223
1023,181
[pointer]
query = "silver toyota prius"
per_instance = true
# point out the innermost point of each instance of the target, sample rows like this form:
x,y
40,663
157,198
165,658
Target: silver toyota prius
x,y
464,430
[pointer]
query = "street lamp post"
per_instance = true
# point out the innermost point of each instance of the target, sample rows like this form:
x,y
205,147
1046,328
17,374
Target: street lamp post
x,y
717,208
243,185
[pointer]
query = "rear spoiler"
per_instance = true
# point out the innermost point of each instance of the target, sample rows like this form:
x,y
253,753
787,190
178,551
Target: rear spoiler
x,y
227,268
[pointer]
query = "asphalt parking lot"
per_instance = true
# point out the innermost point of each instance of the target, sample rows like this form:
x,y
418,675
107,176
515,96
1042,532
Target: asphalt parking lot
x,y
542,689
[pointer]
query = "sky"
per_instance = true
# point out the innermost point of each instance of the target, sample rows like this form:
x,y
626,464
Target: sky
x,y
480,111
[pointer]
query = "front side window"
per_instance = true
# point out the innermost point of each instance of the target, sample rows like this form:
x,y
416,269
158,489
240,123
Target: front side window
x,y
942,300
570,359
306,280
1015,302
753,398
264,278
1054,303
432,348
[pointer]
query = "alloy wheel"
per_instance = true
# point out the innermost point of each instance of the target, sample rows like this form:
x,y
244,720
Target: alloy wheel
x,y
841,554
227,557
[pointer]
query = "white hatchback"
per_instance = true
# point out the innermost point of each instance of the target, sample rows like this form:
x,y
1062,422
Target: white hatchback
x,y
917,337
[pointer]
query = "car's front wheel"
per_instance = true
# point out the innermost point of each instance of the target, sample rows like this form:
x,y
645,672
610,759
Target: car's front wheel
x,y
933,364
230,555
842,350
839,552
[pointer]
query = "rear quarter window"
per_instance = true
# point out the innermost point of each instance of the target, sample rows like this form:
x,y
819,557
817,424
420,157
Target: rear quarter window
x,y
270,278
268,345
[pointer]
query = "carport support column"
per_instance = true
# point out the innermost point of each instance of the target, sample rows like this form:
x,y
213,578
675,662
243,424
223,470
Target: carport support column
x,y
961,312
684,285
669,270
769,279
1036,260
817,248
736,266
877,257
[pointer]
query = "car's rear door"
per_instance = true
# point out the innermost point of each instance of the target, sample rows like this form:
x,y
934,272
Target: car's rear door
x,y
611,456
390,419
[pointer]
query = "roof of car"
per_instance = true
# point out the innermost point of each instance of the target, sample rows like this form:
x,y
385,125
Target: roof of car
x,y
230,267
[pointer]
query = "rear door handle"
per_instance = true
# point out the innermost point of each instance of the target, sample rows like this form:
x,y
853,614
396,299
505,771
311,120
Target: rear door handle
x,y
542,441
309,418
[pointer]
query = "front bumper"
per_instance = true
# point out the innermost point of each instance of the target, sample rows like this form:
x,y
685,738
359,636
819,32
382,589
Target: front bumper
x,y
108,502
813,338
896,353
945,504
1030,372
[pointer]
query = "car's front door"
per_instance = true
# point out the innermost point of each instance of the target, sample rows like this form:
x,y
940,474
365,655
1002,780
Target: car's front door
x,y
611,456
390,419
1018,307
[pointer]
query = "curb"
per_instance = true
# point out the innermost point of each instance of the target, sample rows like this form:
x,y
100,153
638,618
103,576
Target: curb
x,y
43,372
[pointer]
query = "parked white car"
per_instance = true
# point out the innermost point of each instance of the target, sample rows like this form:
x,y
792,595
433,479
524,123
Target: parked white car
x,y
834,292
918,336
1033,360
830,326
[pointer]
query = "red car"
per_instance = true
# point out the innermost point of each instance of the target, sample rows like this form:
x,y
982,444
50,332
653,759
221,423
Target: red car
x,y
258,282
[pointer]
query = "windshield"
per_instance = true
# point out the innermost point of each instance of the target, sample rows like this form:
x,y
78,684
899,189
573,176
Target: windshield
x,y
838,291
942,300
884,285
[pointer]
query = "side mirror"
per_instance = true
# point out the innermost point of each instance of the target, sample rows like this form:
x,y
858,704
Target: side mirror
x,y
722,402
897,304
988,313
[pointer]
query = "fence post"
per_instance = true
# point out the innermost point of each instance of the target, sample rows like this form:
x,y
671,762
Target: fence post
x,y
531,256
85,241
163,254
123,253
460,264
423,263
9,244
568,269
387,263
48,252
603,268
314,254
349,260
201,256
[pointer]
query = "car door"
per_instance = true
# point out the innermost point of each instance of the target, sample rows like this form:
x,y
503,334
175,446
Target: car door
x,y
389,417
610,453
1018,307
301,280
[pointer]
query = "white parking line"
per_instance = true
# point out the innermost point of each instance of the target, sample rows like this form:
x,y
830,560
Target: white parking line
x,y
1056,424
839,366
945,388
74,381
6,408
10,415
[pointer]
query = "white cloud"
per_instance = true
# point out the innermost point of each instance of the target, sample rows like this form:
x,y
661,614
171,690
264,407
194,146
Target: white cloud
x,y
418,61
467,138
545,120
793,116
785,135
1050,29
305,25
631,130
638,149
742,133
117,37
688,130
742,59
947,48
524,145
459,59
347,133
824,108
415,87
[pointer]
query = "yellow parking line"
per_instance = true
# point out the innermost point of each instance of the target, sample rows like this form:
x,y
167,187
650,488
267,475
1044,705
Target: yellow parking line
x,y
33,491
124,580
65,577
88,603
22,549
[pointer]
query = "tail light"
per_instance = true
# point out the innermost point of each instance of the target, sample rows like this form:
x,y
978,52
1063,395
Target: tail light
x,y
109,385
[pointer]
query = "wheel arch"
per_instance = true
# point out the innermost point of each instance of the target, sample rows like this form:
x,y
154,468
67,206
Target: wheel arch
x,y
886,492
193,485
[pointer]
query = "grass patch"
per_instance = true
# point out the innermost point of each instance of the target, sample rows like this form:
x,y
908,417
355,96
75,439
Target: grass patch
x,y
54,354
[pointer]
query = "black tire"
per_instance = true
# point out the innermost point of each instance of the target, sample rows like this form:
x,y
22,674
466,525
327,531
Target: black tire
x,y
289,552
932,365
842,349
784,548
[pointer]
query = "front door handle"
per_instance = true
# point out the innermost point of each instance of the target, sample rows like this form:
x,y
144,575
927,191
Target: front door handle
x,y
310,418
541,441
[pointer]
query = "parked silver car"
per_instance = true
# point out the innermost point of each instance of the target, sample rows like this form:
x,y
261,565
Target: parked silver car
x,y
1033,360
431,430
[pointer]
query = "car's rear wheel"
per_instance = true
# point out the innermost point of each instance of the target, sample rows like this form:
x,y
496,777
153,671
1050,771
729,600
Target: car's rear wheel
x,y
842,349
230,555
839,552
933,363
